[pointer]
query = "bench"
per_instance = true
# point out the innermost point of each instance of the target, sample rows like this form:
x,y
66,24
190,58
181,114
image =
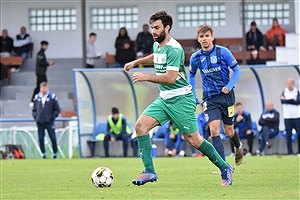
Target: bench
x,y
10,61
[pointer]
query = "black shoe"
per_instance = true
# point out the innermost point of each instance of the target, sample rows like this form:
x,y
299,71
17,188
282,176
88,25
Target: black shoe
x,y
268,144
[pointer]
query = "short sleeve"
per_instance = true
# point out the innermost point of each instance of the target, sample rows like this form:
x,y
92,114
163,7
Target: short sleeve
x,y
173,59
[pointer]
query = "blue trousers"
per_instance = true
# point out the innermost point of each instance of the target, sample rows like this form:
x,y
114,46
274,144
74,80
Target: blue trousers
x,y
122,136
291,124
266,134
51,132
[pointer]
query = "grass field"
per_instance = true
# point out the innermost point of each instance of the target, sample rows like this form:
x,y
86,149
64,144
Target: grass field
x,y
268,177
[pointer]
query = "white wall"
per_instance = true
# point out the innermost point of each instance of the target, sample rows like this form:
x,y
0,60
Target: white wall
x,y
68,44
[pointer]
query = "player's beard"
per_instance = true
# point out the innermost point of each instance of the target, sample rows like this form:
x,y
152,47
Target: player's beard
x,y
161,37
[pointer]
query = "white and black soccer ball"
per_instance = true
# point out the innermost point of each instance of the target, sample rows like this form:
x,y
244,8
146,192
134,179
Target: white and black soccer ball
x,y
102,177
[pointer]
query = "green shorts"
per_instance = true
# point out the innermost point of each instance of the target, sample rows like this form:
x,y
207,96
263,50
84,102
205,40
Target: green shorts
x,y
181,109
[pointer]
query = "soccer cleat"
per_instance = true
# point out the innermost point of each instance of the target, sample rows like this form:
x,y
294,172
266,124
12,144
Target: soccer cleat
x,y
258,152
239,154
145,178
226,175
268,144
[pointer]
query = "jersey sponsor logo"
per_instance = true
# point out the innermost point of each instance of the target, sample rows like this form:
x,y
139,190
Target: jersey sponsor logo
x,y
213,59
206,71
234,61
160,58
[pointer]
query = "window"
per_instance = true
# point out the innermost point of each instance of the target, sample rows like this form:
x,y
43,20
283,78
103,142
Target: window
x,y
263,13
52,19
194,15
114,18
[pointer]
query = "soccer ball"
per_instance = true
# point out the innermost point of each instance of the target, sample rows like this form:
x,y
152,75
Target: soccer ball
x,y
102,177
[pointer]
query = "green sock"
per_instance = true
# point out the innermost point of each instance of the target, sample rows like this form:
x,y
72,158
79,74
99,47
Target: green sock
x,y
146,152
207,149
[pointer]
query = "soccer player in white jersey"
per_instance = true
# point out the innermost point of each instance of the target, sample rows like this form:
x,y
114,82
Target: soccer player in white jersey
x,y
175,102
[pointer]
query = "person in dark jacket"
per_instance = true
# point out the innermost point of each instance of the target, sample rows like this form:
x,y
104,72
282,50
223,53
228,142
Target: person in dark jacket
x,y
41,68
254,40
21,46
124,50
7,44
269,122
117,129
44,111
144,41
243,125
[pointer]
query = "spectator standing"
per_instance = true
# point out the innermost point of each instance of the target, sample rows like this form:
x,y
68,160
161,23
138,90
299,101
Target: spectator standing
x,y
44,111
144,41
275,36
254,40
117,129
7,44
124,49
269,122
22,46
290,99
243,125
91,53
41,69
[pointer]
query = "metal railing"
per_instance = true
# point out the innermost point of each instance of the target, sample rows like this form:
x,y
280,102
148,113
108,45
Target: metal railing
x,y
27,130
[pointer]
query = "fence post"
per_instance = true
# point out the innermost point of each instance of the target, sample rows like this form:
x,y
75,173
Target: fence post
x,y
70,150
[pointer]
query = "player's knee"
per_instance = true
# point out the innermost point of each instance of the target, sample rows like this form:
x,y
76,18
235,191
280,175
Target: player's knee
x,y
215,131
140,129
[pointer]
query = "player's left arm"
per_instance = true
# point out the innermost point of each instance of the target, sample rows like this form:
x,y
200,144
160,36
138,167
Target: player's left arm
x,y
232,63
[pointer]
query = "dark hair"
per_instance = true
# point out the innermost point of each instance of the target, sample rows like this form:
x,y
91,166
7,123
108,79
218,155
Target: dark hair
x,y
253,23
164,17
44,42
93,34
126,33
238,104
275,19
115,110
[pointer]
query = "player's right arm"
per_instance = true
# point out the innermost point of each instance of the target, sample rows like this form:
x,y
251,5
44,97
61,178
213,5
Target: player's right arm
x,y
192,77
145,60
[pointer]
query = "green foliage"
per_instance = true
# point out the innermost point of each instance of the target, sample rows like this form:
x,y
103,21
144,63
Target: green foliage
x,y
268,177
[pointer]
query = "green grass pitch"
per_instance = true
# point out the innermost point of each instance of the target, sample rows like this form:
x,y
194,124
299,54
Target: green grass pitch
x,y
268,177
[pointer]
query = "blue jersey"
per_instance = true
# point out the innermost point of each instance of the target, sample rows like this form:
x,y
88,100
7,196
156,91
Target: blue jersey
x,y
214,68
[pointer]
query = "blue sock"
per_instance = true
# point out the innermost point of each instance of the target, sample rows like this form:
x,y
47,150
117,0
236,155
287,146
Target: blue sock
x,y
218,144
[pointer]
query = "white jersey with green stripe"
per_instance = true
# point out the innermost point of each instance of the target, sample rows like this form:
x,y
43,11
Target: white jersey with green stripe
x,y
171,57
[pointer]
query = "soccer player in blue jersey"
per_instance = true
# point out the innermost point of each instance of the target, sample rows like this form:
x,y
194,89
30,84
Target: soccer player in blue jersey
x,y
214,62
175,102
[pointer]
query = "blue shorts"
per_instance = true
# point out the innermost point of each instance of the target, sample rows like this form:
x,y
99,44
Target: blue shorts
x,y
220,107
